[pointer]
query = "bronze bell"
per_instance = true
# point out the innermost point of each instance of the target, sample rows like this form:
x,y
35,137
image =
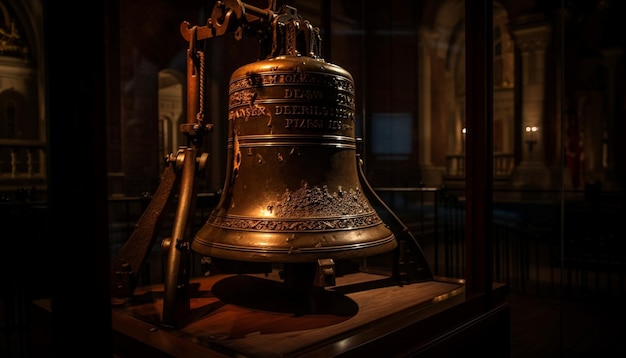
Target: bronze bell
x,y
292,192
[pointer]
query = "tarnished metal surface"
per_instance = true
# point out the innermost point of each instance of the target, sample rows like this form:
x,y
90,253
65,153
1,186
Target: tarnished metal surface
x,y
292,192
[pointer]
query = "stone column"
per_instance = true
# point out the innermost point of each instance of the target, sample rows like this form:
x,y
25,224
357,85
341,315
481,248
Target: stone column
x,y
431,176
532,43
532,40
611,59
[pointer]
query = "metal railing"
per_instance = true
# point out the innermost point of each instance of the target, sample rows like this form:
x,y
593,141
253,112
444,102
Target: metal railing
x,y
533,254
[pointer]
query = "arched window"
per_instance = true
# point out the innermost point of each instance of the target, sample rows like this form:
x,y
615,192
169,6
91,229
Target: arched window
x,y
171,104
9,127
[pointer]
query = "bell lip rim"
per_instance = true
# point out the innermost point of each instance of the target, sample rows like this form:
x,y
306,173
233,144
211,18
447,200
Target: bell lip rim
x,y
289,255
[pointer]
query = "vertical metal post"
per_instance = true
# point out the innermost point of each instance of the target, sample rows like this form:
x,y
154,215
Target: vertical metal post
x,y
479,144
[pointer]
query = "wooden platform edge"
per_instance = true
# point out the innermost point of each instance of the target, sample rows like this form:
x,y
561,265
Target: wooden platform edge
x,y
451,327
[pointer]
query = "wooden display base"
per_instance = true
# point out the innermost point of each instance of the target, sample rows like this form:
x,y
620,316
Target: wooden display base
x,y
364,314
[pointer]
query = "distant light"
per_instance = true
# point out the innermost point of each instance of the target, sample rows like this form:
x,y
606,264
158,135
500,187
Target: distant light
x,y
464,130
532,129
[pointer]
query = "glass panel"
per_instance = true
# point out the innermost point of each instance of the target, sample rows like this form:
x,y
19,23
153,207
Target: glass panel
x,y
555,138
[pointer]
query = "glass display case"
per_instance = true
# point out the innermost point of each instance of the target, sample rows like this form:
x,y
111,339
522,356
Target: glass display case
x,y
485,135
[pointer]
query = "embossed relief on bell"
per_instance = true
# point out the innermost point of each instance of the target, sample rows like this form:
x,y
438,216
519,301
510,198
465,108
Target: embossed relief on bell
x,y
292,95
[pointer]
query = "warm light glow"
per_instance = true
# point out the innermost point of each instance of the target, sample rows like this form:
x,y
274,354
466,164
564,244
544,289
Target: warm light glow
x,y
464,130
266,212
532,129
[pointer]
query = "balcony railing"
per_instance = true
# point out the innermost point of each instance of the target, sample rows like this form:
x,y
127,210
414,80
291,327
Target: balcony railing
x,y
503,165
21,163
